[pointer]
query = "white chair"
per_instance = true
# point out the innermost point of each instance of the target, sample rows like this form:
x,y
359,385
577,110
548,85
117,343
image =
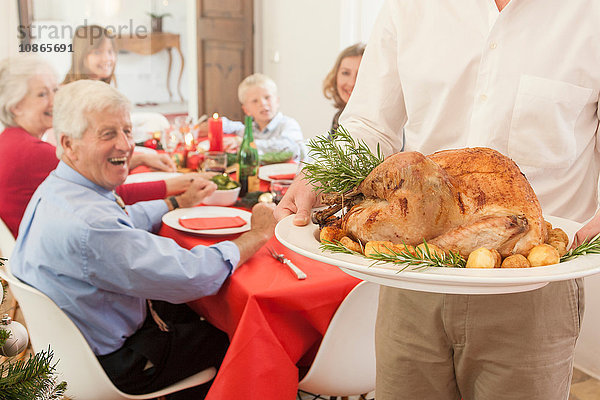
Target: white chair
x,y
345,362
49,326
7,241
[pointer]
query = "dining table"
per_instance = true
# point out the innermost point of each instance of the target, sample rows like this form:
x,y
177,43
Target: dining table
x,y
275,321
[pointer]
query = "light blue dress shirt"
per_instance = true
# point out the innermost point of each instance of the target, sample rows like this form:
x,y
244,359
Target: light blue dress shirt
x,y
99,263
282,133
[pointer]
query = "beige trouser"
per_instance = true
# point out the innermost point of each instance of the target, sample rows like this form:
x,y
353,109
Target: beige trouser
x,y
479,347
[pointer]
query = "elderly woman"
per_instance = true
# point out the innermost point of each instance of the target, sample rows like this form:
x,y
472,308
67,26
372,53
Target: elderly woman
x,y
339,82
27,87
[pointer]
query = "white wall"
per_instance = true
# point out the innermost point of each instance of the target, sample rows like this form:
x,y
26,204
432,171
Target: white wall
x,y
300,42
141,78
8,29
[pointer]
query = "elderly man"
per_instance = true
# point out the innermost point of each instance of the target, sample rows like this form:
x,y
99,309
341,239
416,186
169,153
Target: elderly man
x,y
101,261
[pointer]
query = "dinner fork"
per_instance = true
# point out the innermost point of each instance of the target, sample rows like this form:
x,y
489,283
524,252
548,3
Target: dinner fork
x,y
283,259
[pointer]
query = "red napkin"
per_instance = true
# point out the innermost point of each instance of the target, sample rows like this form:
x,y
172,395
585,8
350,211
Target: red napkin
x,y
212,223
283,176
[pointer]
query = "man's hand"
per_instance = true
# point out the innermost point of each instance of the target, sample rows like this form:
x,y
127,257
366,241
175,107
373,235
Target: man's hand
x,y
197,191
299,199
157,161
263,222
263,227
588,231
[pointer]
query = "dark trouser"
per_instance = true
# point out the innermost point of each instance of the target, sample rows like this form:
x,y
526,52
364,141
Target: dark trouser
x,y
190,346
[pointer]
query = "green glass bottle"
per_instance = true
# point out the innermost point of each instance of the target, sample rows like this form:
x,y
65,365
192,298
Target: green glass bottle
x,y
248,161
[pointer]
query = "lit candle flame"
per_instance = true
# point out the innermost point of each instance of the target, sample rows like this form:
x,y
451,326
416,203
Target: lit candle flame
x,y
189,139
216,115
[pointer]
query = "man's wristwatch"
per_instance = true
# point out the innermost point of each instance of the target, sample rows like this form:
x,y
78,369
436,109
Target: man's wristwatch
x,y
173,202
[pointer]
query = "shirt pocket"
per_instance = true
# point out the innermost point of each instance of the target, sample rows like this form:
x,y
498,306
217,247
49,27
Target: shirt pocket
x,y
542,131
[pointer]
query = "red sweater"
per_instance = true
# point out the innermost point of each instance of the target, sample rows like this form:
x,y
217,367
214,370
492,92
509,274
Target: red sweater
x,y
26,161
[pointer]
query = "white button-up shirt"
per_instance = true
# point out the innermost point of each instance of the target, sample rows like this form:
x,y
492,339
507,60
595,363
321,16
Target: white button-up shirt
x,y
524,81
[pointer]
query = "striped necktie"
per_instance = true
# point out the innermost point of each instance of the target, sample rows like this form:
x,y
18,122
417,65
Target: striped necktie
x,y
120,201
157,319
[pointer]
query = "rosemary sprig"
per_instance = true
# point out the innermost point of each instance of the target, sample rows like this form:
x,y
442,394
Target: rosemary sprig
x,y
340,163
423,258
587,247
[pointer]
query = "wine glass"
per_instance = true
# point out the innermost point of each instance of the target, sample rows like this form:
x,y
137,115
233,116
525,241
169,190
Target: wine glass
x,y
215,161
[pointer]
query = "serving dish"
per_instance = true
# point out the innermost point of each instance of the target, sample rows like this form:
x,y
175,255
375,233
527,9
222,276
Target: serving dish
x,y
303,240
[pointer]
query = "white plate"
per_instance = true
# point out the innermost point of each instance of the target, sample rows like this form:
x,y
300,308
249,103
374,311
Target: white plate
x,y
150,176
276,169
302,240
172,219
144,150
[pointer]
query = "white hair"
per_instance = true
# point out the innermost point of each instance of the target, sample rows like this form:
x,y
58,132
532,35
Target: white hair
x,y
15,74
256,80
75,100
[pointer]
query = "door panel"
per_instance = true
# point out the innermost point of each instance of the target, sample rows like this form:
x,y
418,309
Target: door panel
x,y
225,54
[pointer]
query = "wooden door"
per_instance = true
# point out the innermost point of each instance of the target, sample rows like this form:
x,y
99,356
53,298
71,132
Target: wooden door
x,y
225,54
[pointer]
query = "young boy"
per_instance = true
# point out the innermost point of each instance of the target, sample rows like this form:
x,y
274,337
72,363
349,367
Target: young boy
x,y
273,131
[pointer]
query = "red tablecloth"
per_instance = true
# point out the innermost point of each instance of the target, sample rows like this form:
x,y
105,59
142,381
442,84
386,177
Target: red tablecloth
x,y
274,321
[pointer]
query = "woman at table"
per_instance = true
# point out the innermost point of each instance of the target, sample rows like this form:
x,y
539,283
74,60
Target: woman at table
x,y
95,57
27,87
339,82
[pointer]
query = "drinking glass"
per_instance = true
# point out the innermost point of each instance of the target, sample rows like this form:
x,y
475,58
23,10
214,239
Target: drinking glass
x,y
278,189
215,161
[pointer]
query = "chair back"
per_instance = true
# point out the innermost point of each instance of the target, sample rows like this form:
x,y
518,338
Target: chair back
x,y
345,362
7,240
50,327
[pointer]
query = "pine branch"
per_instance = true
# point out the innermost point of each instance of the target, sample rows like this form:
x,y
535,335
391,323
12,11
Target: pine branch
x,y
31,379
423,258
4,335
340,163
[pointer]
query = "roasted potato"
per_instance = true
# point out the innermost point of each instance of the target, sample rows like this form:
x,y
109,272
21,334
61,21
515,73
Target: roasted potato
x,y
331,234
378,246
386,247
515,261
433,249
351,244
543,254
558,239
558,234
484,258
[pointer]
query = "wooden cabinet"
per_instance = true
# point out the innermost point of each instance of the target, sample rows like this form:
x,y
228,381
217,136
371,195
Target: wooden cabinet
x,y
152,43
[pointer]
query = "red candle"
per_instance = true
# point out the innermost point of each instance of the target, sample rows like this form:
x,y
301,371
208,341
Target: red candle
x,y
215,133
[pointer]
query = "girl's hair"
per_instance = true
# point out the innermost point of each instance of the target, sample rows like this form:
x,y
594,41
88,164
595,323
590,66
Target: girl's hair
x,y
86,39
330,82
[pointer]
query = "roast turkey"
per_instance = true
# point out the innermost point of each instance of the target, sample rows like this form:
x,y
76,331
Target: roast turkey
x,y
459,200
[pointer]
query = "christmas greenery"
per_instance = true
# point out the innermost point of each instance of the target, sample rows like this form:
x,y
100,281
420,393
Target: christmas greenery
x,y
31,379
339,163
